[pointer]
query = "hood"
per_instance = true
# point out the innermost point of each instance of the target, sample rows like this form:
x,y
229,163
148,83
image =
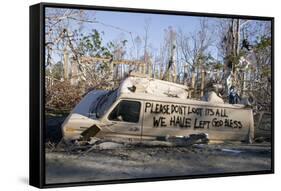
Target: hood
x,y
83,107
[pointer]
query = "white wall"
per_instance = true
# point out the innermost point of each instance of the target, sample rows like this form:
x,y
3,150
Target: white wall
x,y
14,53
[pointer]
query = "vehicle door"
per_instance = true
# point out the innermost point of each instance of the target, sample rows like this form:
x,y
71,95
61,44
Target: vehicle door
x,y
125,118
156,117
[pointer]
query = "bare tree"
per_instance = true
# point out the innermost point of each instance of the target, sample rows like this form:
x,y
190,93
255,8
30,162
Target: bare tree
x,y
170,73
119,52
193,47
147,22
138,43
230,48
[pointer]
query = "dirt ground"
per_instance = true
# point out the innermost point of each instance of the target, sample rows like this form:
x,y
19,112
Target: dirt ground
x,y
113,161
141,161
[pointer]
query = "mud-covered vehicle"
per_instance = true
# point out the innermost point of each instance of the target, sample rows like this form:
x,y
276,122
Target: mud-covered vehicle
x,y
148,109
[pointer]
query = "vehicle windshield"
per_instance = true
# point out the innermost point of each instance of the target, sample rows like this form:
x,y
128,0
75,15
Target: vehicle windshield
x,y
102,104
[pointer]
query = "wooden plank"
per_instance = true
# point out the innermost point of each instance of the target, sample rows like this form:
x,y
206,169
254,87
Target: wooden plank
x,y
126,62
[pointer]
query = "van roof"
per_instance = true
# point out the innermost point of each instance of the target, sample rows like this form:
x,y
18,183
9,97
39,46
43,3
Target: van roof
x,y
153,98
152,87
149,89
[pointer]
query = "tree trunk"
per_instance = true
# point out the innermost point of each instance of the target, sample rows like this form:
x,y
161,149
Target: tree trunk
x,y
191,91
74,73
65,64
202,82
236,49
232,55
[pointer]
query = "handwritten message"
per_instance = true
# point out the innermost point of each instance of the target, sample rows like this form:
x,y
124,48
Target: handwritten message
x,y
183,116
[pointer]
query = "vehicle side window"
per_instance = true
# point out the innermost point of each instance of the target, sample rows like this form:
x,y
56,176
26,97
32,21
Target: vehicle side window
x,y
128,111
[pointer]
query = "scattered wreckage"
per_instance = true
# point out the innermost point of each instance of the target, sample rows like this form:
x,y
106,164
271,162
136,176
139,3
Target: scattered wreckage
x,y
144,109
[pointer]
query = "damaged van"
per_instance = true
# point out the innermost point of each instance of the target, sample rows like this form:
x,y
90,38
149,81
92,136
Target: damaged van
x,y
147,109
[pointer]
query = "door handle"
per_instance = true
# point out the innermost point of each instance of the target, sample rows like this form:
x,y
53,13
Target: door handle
x,y
134,129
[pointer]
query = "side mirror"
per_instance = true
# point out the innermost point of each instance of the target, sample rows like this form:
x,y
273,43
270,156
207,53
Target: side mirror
x,y
119,118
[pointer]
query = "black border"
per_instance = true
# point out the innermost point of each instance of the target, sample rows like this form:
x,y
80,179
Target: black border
x,y
37,92
35,97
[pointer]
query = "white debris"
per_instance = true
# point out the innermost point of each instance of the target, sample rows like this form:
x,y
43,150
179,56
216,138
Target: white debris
x,y
244,63
246,101
93,140
109,145
157,143
213,98
231,151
